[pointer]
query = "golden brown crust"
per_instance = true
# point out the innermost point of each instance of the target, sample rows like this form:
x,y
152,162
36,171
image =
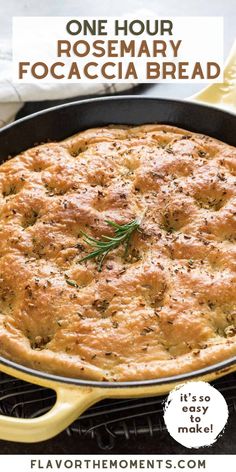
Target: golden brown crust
x,y
170,306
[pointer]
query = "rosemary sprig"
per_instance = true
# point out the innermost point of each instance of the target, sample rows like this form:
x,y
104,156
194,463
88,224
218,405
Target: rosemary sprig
x,y
103,246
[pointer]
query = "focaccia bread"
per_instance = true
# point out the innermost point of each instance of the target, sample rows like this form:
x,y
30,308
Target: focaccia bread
x,y
167,305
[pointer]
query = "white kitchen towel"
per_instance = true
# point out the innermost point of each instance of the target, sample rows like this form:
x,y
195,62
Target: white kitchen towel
x,y
13,96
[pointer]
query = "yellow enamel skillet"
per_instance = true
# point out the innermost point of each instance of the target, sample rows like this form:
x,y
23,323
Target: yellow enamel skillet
x,y
73,395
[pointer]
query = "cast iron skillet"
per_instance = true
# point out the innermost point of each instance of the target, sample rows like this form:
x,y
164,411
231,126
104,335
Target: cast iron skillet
x,y
74,395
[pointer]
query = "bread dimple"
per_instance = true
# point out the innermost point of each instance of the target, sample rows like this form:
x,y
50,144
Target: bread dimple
x,y
169,305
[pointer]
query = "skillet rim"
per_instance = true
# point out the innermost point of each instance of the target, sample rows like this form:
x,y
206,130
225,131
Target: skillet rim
x,y
117,98
214,368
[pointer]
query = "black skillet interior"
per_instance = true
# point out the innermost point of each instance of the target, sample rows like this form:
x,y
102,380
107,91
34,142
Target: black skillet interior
x,y
60,122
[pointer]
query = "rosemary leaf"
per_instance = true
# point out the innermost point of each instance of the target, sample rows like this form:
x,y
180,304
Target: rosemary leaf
x,y
71,282
102,247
